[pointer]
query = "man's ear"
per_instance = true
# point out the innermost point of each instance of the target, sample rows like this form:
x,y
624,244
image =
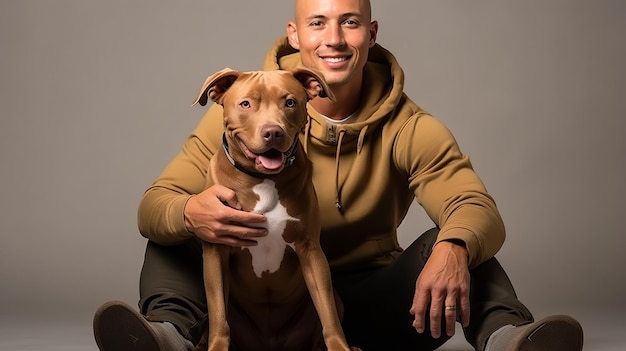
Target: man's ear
x,y
373,33
216,85
292,35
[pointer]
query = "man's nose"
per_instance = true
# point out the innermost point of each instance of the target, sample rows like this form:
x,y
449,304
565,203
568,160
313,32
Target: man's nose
x,y
334,35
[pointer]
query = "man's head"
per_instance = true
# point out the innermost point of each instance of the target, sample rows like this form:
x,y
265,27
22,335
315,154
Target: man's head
x,y
334,37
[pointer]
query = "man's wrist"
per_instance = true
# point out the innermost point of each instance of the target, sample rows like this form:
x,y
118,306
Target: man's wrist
x,y
455,245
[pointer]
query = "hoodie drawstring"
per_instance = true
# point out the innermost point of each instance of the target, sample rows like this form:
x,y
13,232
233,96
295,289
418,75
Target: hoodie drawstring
x,y
307,134
338,203
361,140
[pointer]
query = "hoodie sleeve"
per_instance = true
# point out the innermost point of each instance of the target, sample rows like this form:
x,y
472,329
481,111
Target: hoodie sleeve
x,y
161,209
447,187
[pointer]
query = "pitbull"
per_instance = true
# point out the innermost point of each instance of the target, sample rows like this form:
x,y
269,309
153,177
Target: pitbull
x,y
278,294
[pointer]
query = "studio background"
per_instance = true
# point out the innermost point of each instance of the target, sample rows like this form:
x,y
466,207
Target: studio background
x,y
95,100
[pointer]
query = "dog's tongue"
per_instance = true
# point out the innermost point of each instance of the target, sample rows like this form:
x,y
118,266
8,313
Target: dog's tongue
x,y
272,159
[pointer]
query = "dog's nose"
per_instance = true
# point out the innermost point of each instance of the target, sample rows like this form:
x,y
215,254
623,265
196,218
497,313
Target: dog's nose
x,y
272,134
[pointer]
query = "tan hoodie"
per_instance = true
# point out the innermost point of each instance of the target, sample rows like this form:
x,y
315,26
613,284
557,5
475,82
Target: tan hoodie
x,y
366,173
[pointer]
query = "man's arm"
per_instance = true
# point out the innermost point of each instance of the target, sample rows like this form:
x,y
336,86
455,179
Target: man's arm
x,y
449,190
471,229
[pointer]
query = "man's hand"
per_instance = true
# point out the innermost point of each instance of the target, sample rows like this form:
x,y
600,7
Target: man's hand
x,y
216,216
444,284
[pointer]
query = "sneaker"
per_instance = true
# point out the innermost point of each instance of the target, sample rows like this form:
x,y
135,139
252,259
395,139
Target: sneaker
x,y
554,333
118,327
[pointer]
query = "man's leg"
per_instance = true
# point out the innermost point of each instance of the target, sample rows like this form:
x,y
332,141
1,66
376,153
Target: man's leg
x,y
171,287
500,322
493,303
172,304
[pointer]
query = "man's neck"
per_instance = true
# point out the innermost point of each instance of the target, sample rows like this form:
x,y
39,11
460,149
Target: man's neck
x,y
346,102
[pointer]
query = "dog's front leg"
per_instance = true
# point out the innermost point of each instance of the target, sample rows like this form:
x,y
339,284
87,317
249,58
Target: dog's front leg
x,y
215,259
317,277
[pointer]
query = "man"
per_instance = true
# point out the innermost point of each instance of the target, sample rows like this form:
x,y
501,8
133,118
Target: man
x,y
374,151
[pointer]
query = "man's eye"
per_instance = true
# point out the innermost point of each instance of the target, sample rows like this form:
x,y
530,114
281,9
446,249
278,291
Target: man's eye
x,y
290,103
245,104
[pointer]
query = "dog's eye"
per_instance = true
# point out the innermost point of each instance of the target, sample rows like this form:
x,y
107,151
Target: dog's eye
x,y
290,103
245,104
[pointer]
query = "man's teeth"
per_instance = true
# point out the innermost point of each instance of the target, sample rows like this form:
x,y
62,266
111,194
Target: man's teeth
x,y
335,59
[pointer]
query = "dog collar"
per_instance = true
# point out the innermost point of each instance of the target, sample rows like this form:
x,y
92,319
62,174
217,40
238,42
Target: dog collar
x,y
290,158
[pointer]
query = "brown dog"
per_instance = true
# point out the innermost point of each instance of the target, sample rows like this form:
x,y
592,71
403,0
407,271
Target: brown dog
x,y
257,296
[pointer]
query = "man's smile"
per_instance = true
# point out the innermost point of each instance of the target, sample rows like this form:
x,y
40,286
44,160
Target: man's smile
x,y
336,59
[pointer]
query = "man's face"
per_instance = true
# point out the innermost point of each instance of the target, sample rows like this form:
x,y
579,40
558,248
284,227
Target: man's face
x,y
334,37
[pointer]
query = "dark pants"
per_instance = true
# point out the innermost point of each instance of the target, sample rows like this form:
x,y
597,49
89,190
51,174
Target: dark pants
x,y
376,301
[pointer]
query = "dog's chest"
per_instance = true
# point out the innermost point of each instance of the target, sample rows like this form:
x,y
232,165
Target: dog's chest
x,y
268,255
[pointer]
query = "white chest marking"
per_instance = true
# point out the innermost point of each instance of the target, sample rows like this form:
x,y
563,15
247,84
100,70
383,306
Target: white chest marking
x,y
268,254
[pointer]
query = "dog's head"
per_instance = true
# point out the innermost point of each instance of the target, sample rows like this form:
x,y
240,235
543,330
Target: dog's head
x,y
263,112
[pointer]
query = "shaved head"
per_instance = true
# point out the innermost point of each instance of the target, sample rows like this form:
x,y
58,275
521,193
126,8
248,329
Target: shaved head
x,y
301,6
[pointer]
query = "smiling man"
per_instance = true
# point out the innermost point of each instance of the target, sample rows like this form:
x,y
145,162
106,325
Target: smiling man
x,y
374,153
334,38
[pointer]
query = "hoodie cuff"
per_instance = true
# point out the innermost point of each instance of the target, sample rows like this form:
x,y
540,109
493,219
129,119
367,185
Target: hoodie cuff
x,y
175,217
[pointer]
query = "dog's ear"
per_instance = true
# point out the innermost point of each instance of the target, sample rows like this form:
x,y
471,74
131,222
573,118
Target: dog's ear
x,y
313,83
216,85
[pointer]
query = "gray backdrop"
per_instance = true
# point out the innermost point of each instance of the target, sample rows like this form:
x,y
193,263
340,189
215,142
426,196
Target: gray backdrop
x,y
95,100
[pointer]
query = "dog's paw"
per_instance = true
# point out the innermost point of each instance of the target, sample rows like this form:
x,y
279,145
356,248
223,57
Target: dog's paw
x,y
352,348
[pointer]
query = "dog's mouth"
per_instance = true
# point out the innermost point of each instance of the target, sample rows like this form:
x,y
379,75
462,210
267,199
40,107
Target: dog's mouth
x,y
271,160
